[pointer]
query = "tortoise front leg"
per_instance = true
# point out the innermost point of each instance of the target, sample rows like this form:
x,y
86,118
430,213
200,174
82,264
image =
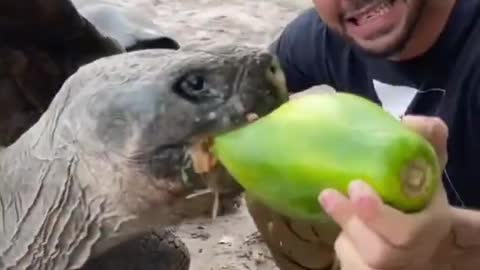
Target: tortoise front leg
x,y
294,244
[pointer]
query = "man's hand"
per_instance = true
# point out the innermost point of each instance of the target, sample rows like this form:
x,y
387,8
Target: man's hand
x,y
376,236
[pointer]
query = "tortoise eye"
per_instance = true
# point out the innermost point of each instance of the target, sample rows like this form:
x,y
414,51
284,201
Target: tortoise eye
x,y
194,88
193,83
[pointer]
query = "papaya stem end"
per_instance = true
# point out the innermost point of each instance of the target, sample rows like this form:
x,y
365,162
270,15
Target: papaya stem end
x,y
415,178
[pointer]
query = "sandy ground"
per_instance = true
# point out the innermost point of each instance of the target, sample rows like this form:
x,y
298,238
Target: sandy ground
x,y
231,242
242,21
213,21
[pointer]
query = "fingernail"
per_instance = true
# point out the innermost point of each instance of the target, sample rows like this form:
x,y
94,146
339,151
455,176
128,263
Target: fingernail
x,y
327,201
360,193
364,198
358,188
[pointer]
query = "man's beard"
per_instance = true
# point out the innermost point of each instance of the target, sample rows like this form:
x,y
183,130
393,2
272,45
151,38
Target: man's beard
x,y
400,43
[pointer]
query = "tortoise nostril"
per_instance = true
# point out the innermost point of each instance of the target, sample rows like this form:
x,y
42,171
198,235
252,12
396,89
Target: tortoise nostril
x,y
273,68
275,75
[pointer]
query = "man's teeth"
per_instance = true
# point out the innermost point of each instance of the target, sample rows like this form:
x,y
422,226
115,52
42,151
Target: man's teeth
x,y
380,9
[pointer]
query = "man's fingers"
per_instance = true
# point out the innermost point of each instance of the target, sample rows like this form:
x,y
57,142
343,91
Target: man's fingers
x,y
348,256
397,228
392,225
433,129
375,251
383,236
337,206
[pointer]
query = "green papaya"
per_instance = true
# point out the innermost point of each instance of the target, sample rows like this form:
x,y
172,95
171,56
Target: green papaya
x,y
286,158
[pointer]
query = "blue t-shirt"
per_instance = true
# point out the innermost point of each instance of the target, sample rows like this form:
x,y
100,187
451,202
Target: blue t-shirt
x,y
444,82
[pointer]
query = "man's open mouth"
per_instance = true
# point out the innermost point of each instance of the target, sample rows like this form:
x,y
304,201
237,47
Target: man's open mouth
x,y
370,12
374,20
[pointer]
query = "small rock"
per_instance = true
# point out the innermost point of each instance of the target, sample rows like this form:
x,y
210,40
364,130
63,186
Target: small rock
x,y
226,240
200,235
259,258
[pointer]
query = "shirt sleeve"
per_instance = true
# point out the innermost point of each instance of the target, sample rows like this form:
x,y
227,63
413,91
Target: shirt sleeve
x,y
300,49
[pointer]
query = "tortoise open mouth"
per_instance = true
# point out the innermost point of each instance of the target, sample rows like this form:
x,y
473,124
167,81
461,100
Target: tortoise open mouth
x,y
204,162
203,159
201,152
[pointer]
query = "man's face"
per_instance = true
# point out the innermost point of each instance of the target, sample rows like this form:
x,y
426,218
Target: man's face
x,y
380,27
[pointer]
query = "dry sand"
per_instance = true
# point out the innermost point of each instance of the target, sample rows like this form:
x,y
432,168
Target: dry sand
x,y
231,242
213,21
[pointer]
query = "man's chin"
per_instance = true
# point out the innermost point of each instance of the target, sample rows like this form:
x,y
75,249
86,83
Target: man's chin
x,y
385,46
385,51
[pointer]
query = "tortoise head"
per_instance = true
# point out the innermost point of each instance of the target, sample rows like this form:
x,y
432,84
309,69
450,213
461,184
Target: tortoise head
x,y
143,121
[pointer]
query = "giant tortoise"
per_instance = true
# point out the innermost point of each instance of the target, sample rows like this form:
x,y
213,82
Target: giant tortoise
x,y
104,144
42,44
